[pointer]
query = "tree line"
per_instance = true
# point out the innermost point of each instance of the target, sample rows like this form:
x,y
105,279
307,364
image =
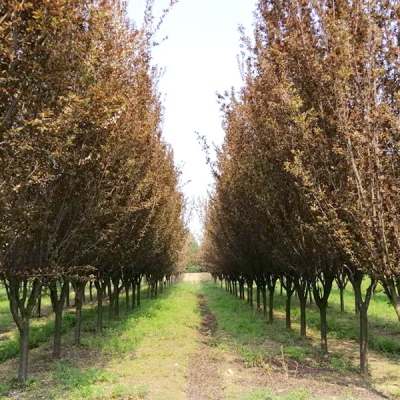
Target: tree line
x,y
307,179
88,187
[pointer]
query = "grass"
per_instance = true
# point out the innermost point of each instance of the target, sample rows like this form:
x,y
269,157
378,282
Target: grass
x,y
266,394
269,346
141,345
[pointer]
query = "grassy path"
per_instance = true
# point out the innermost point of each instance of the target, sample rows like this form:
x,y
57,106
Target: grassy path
x,y
194,342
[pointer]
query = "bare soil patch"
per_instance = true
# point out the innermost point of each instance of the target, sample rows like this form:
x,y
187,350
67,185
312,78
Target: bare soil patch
x,y
203,381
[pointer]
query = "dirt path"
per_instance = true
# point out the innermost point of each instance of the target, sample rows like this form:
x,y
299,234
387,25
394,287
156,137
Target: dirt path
x,y
203,378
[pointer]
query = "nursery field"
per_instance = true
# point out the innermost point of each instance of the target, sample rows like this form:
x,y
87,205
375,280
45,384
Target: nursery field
x,y
196,341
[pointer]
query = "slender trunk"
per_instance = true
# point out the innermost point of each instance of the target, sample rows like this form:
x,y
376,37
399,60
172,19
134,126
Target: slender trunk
x,y
271,306
111,305
91,291
363,309
288,309
127,296
362,306
67,298
271,289
302,293
58,306
264,296
303,324
23,351
324,338
100,293
57,333
156,289
138,293
321,296
21,312
39,305
148,290
341,299
355,304
79,290
116,293
109,289
258,297
133,294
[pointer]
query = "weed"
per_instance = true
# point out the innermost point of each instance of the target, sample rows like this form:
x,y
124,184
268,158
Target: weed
x,y
340,364
265,394
296,353
4,388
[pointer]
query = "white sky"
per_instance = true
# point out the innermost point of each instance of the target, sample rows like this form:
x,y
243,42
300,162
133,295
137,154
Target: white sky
x,y
200,59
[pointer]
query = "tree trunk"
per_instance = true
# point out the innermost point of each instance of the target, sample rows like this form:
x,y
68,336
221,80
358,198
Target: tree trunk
x,y
264,296
362,306
91,291
138,293
127,296
302,292
23,351
133,294
39,305
258,297
303,324
79,290
288,317
326,281
391,286
58,306
324,338
57,333
271,289
271,306
100,293
116,306
67,298
341,299
21,312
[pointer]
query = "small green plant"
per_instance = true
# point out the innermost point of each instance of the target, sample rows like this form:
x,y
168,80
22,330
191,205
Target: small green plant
x,y
142,391
252,358
315,364
340,364
4,388
119,391
296,353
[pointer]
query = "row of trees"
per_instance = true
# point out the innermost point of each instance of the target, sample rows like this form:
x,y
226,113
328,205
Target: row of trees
x,y
307,180
88,188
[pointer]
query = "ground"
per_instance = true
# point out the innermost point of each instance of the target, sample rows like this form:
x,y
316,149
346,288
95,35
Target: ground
x,y
196,341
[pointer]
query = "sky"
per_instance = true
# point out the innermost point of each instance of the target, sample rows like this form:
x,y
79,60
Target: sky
x,y
200,59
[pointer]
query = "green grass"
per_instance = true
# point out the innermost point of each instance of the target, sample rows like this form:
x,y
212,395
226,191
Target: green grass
x,y
266,394
163,328
42,329
246,329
